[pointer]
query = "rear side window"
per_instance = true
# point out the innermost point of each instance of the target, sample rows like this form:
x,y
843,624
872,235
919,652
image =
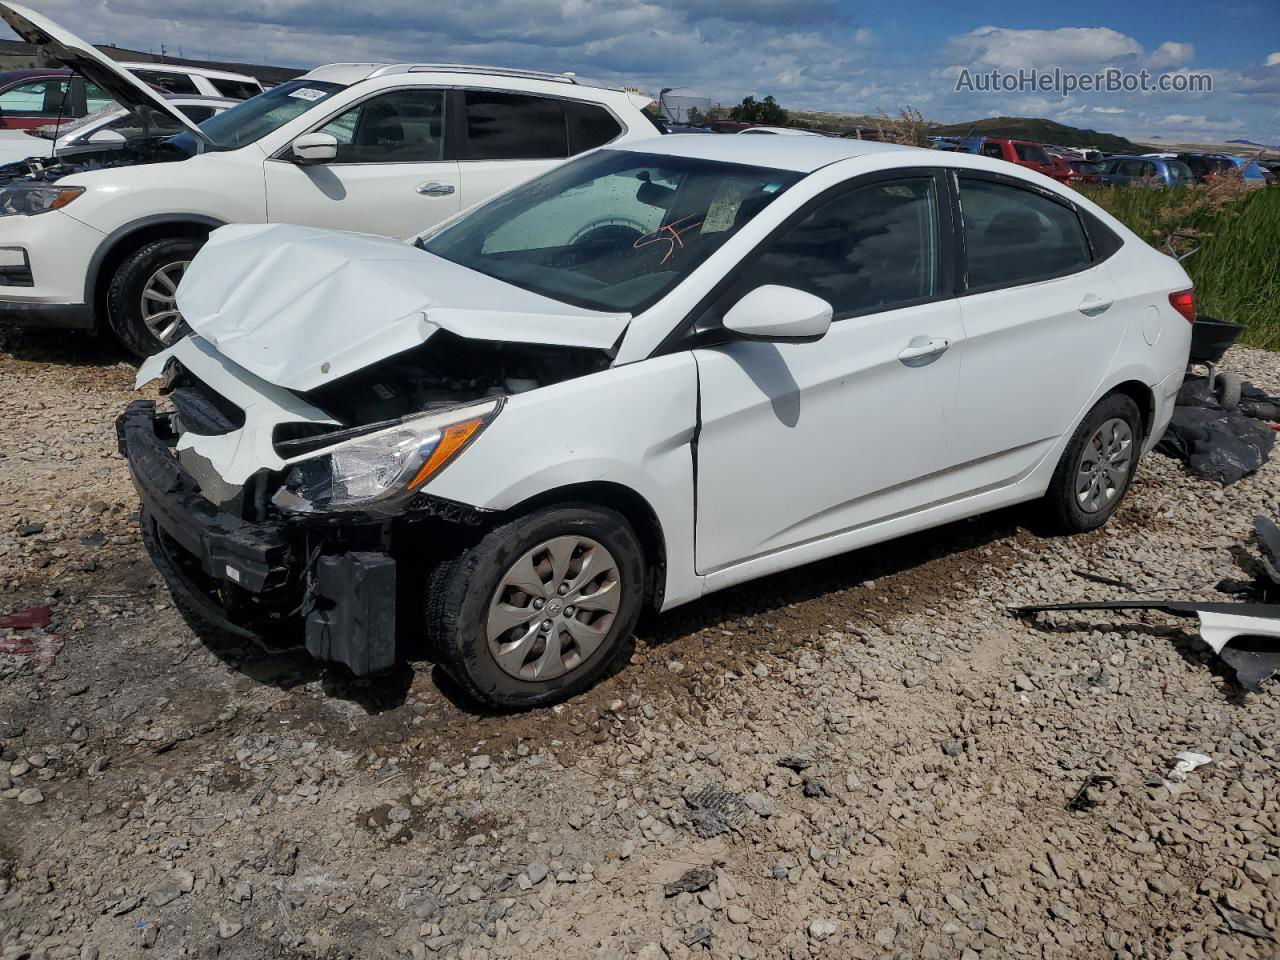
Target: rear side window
x,y
868,250
1030,153
590,126
168,82
235,89
993,150
513,126
1014,236
38,98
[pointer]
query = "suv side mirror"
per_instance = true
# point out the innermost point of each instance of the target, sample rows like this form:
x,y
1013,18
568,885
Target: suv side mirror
x,y
315,148
779,313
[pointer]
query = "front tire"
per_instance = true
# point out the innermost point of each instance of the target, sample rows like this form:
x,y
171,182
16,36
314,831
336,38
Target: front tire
x,y
540,608
1097,466
141,302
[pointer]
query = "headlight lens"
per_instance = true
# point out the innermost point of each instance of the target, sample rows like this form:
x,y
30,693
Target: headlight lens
x,y
378,472
28,199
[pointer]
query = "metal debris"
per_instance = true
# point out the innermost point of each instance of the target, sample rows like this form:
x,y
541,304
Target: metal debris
x,y
691,881
698,934
1082,801
795,762
815,788
715,810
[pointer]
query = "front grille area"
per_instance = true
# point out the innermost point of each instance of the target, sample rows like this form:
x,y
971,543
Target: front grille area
x,y
214,489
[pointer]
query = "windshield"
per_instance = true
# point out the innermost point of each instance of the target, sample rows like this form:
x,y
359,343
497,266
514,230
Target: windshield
x,y
613,230
252,120
51,131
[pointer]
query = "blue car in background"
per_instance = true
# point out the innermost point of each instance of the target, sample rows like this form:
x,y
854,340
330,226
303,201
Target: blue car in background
x,y
1145,171
1250,170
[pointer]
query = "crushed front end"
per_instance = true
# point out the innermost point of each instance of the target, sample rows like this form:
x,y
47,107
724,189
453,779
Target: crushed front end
x,y
299,517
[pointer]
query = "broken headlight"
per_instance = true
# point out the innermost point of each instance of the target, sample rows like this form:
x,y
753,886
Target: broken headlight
x,y
379,471
28,199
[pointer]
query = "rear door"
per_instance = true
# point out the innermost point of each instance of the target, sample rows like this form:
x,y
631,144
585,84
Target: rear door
x,y
393,174
506,138
1041,330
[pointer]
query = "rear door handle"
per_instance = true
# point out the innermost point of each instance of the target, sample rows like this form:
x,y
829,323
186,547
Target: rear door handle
x,y
1094,306
434,188
922,351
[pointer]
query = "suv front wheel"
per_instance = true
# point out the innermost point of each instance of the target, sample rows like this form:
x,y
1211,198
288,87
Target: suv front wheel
x,y
141,302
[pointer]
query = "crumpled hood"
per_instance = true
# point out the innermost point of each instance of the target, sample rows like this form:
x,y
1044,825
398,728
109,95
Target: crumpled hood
x,y
301,307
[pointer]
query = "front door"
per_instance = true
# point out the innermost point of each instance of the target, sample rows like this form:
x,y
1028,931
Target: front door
x,y
803,441
390,175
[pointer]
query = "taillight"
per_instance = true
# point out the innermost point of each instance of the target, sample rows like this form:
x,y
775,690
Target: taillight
x,y
1184,301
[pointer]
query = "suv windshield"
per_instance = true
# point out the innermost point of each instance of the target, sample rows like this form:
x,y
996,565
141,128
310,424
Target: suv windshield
x,y
613,230
252,120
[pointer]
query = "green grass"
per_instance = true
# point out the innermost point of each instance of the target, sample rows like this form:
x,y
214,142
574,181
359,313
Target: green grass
x,y
1237,268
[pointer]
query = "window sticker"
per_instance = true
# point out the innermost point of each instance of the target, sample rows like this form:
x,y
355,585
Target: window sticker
x,y
307,93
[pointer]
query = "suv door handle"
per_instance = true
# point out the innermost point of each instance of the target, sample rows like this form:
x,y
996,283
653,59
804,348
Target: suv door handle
x,y
922,351
1094,306
434,188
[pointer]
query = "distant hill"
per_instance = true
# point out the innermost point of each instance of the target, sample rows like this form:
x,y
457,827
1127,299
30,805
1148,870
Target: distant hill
x,y
1038,130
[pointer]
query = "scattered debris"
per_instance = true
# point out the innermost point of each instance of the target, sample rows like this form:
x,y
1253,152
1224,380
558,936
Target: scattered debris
x,y
41,647
1243,923
29,618
1082,800
1220,624
698,934
796,762
815,788
715,810
1187,761
691,881
1218,441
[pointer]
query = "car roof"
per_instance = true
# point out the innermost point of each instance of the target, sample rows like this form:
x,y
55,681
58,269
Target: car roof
x,y
349,73
27,73
801,154
193,71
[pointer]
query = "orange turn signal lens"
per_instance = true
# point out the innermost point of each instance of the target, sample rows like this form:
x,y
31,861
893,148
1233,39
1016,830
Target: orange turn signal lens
x,y
452,440
64,197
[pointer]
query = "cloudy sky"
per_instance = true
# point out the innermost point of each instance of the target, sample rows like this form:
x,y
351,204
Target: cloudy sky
x,y
850,55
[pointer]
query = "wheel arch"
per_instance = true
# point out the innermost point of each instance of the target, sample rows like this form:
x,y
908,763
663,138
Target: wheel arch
x,y
635,509
123,241
1143,396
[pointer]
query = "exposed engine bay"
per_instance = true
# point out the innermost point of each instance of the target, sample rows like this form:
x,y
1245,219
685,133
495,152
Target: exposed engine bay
x,y
37,169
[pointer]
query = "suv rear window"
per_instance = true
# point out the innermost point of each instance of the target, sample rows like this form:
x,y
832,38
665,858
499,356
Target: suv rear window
x,y
235,89
590,126
168,82
514,126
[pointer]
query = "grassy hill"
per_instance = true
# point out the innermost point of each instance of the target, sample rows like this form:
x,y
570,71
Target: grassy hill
x,y
1037,129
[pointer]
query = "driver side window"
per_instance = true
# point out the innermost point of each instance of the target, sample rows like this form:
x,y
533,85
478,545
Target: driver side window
x,y
403,126
870,249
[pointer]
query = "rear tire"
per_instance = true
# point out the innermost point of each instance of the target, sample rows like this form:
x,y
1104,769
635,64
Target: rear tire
x,y
529,572
139,300
1097,466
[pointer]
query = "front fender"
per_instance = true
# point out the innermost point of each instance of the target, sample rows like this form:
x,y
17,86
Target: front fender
x,y
632,426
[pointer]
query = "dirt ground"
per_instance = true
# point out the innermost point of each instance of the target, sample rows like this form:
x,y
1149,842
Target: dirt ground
x,y
890,751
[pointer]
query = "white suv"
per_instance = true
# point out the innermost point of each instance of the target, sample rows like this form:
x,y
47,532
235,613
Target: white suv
x,y
374,148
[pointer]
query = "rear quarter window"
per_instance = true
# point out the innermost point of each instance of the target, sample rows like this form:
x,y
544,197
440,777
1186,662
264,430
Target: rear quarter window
x,y
168,82
235,89
590,126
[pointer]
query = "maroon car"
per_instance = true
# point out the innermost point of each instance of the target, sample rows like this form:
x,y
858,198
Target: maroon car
x,y
38,97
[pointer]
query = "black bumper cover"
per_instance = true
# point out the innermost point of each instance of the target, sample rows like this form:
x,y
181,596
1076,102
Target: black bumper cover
x,y
348,597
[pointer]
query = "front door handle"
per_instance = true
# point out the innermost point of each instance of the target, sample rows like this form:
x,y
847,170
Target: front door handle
x,y
922,351
1094,306
435,188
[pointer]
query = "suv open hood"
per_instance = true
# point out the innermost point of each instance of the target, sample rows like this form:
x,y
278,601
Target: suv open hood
x,y
84,59
300,307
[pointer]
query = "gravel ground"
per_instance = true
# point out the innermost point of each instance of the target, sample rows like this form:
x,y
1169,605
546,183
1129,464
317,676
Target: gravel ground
x,y
864,758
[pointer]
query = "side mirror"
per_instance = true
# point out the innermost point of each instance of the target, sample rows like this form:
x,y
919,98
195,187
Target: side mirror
x,y
113,137
779,313
315,148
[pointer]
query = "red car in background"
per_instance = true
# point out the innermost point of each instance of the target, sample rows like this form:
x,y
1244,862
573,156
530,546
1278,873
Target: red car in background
x,y
1022,152
37,97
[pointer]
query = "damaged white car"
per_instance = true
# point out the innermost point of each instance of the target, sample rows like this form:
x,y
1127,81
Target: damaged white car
x,y
657,371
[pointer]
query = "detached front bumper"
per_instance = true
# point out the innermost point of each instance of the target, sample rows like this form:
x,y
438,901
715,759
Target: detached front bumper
x,y
336,582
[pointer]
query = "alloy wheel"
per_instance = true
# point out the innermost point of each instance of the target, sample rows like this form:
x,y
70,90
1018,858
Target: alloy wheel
x,y
159,301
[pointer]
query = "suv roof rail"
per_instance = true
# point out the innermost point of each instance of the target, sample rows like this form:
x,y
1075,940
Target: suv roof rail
x,y
476,68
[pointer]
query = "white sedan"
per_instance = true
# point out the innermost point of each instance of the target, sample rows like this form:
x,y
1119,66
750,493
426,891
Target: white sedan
x,y
107,128
665,368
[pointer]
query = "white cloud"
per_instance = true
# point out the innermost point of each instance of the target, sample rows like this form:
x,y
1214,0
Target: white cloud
x,y
1065,47
1172,54
1273,59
